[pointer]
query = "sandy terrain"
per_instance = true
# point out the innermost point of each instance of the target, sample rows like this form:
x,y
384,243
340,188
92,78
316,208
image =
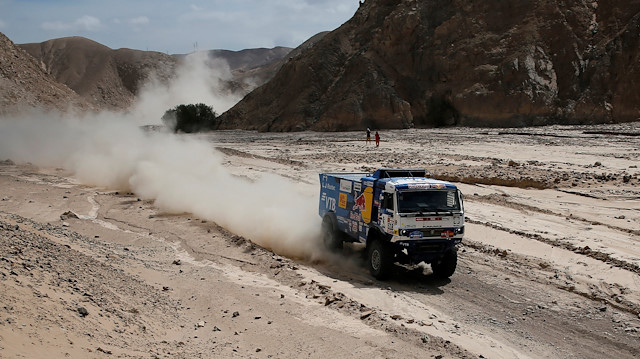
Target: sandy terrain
x,y
549,268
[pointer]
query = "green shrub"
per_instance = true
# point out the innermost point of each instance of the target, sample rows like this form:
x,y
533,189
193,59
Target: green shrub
x,y
190,118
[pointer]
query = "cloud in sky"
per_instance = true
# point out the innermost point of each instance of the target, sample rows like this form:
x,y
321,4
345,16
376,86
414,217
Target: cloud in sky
x,y
83,23
174,26
140,20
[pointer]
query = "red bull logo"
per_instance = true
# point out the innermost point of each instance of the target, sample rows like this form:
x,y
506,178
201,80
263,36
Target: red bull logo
x,y
363,204
360,203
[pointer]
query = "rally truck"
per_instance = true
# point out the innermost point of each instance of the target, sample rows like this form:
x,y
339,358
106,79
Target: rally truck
x,y
399,214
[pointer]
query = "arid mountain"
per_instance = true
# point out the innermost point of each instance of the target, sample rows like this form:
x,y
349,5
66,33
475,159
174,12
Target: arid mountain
x,y
409,63
107,78
24,84
111,79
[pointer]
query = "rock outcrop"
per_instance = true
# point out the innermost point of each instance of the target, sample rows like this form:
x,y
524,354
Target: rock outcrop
x,y
409,63
24,84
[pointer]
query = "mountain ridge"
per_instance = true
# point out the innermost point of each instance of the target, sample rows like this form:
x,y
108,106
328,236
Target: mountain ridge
x,y
111,79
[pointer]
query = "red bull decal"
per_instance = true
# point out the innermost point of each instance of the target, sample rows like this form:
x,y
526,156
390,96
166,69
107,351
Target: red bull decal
x,y
360,203
363,204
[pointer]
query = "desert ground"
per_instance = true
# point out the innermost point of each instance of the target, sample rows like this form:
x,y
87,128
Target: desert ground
x,y
549,267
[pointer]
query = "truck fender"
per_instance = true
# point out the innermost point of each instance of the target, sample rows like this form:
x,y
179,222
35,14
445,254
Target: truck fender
x,y
374,234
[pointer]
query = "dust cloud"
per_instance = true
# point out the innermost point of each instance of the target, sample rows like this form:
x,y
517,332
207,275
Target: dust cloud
x,y
199,79
181,173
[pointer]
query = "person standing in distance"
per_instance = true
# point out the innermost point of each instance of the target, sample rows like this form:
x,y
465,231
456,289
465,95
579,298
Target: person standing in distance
x,y
377,139
368,135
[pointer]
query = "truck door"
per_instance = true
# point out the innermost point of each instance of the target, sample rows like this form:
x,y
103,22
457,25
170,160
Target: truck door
x,y
386,212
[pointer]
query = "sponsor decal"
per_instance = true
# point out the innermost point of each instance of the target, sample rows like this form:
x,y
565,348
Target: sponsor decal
x,y
357,186
354,215
345,186
367,184
342,200
446,234
331,204
415,235
426,186
427,219
360,203
329,186
363,203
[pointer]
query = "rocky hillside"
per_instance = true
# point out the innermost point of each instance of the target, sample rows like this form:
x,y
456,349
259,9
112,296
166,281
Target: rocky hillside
x,y
25,84
111,79
252,67
409,63
107,78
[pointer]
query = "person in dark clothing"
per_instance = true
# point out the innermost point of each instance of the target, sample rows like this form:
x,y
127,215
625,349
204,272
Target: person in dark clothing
x,y
368,135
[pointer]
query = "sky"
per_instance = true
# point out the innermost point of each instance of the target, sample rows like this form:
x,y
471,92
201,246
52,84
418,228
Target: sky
x,y
173,26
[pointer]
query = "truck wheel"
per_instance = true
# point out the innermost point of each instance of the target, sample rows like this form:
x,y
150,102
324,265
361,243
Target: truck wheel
x,y
379,260
330,235
446,266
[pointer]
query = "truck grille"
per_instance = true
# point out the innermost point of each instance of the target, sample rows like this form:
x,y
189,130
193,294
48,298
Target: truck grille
x,y
432,232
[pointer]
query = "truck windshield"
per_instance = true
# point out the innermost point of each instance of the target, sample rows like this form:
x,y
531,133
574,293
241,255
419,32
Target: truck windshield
x,y
428,201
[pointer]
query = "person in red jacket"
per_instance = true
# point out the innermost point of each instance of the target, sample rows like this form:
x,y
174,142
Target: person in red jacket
x,y
377,139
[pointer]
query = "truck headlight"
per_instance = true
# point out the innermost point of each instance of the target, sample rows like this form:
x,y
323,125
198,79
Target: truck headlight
x,y
459,230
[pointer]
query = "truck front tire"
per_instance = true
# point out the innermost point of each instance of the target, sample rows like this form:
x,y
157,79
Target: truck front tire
x,y
379,260
446,266
331,237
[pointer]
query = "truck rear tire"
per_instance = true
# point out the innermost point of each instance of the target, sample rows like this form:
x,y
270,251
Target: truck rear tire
x,y
331,237
379,260
446,266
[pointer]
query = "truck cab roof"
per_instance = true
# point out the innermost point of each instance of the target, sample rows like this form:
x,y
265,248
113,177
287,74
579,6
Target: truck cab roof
x,y
407,179
397,178
422,183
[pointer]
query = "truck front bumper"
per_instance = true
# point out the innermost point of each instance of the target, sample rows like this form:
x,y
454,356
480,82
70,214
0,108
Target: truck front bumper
x,y
422,250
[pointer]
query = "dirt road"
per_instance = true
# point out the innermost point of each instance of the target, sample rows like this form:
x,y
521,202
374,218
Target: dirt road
x,y
550,265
